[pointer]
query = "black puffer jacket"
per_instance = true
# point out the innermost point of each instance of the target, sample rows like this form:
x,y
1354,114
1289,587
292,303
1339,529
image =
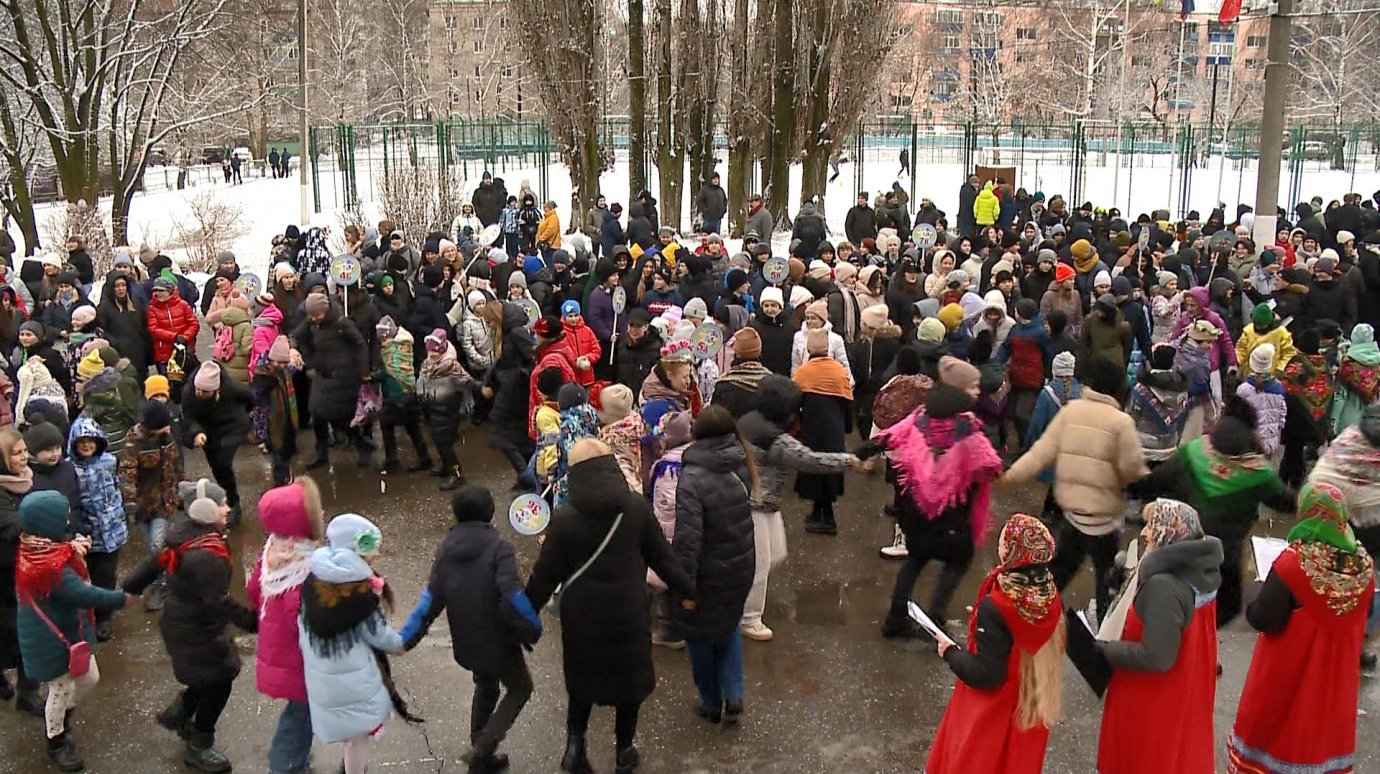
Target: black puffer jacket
x,y
605,633
197,610
640,230
635,360
225,421
9,549
714,537
777,334
509,377
126,328
337,359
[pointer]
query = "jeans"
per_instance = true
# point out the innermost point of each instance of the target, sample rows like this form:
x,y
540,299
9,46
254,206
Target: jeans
x,y
222,462
154,530
290,750
769,539
712,226
717,666
490,718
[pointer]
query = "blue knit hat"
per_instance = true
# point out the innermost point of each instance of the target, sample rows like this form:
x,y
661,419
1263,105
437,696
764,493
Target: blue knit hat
x,y
532,264
570,307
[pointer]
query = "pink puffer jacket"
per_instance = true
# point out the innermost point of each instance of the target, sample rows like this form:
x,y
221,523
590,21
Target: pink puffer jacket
x,y
292,516
266,327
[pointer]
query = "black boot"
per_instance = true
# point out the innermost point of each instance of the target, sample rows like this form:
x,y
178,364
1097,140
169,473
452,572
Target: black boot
x,y
391,465
175,718
30,697
898,624
201,755
733,711
484,759
62,753
320,459
104,631
454,481
575,760
628,760
1367,661
440,471
157,594
421,464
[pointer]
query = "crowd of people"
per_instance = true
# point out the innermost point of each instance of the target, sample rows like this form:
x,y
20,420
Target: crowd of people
x,y
659,393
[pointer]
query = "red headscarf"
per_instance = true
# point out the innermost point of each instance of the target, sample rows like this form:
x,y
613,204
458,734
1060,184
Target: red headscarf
x,y
40,564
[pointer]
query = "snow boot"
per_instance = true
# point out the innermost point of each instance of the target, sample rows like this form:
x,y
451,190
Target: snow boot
x,y
733,711
423,463
201,755
175,718
575,760
62,753
391,465
628,760
454,481
897,549
898,625
158,593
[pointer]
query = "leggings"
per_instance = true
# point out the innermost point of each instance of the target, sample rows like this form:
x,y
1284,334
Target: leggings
x,y
624,724
62,698
204,704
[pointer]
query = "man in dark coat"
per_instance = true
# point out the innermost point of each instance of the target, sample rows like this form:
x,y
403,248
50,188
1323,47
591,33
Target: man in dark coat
x,y
640,229
967,195
861,222
611,231
337,357
712,203
809,229
649,209
638,351
487,200
605,628
215,419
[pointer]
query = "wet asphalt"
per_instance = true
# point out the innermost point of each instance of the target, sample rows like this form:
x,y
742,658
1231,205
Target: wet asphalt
x,y
829,694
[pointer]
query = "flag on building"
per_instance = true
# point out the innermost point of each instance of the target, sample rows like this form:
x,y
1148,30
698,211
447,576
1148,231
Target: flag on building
x,y
1230,10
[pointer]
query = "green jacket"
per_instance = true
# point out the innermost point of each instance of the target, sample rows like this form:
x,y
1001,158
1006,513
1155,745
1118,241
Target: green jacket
x,y
45,658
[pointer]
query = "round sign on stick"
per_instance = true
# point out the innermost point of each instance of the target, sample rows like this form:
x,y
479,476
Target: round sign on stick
x,y
529,514
345,270
533,312
706,341
1144,236
924,236
776,270
249,284
1222,241
620,299
489,235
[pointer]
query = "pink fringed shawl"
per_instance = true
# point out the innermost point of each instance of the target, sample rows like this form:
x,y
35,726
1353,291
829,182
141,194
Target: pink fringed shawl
x,y
937,481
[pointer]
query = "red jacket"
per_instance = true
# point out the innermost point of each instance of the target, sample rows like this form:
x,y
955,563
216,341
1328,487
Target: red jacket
x,y
551,357
585,344
167,322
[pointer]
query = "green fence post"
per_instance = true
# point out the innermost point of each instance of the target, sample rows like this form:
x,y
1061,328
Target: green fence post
x,y
315,171
386,132
914,158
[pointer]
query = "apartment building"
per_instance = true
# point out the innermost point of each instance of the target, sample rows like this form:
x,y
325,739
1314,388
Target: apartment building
x,y
472,67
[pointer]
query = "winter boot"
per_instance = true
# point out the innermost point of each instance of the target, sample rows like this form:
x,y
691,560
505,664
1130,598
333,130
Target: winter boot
x,y
575,760
320,459
104,631
897,549
422,463
484,759
175,718
440,471
392,465
158,593
454,481
733,711
715,715
628,760
62,753
898,625
30,696
200,754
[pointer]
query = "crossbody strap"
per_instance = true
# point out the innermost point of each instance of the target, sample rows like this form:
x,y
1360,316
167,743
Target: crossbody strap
x,y
56,632
597,553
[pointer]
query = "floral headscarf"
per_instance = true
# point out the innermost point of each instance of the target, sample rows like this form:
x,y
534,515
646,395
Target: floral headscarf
x,y
1171,521
1025,543
1338,568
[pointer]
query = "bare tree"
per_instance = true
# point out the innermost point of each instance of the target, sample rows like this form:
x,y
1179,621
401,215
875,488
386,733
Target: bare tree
x,y
21,146
341,51
399,91
1335,68
637,99
421,198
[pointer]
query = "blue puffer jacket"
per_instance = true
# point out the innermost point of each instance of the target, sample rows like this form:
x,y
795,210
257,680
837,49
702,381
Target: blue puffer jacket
x,y
345,688
101,504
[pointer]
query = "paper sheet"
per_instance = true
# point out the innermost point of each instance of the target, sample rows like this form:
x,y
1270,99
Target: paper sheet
x,y
1083,617
1266,551
917,615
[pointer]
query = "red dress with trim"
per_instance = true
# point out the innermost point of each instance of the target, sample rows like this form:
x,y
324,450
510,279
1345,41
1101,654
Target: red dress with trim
x,y
1298,710
1161,722
978,734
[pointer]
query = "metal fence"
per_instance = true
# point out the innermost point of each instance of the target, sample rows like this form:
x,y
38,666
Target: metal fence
x,y
1133,166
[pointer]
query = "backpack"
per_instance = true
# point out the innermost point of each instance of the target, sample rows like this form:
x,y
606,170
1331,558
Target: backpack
x,y
223,349
898,398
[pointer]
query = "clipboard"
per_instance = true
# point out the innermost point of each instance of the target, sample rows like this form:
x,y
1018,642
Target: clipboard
x,y
1083,652
917,615
1266,550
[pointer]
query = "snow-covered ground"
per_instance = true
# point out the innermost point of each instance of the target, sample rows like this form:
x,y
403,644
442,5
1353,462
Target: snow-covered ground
x,y
268,205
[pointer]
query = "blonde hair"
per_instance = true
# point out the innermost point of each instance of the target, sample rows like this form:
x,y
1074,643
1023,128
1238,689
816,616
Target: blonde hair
x,y
1041,697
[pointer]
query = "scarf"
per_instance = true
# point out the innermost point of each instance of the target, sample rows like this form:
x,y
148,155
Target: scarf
x,y
823,375
283,565
1169,521
210,542
20,484
1218,475
1025,542
40,564
333,613
1338,568
1351,461
1167,407
746,374
1307,378
939,460
1086,265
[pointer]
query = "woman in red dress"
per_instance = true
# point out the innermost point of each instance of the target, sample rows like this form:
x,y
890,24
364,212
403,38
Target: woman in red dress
x,y
1010,681
1297,713
1157,717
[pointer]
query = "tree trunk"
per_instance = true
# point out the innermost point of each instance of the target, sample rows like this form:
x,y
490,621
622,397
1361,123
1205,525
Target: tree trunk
x,y
637,101
670,162
739,145
778,183
817,143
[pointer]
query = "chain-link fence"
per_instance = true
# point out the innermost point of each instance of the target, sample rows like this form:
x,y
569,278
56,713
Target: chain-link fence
x,y
1135,167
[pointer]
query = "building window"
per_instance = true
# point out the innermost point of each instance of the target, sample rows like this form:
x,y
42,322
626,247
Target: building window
x,y
944,91
1255,64
1025,33
508,71
479,47
948,16
478,96
1024,57
454,73
476,24
901,101
503,22
454,97
951,43
1255,41
450,22
987,20
476,72
1191,30
1140,60
453,47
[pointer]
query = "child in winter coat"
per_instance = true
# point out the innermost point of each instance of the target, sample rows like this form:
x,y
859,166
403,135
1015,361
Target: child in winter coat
x,y
1061,388
398,382
1159,404
1265,394
47,448
158,389
150,468
101,507
1266,329
345,644
196,561
548,423
1193,360
945,466
621,428
474,580
1358,379
99,396
1166,307
275,408
444,390
579,420
674,437
293,519
266,329
52,581
991,405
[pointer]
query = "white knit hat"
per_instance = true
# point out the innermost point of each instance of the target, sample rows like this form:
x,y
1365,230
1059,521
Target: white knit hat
x,y
1263,359
1064,364
773,294
800,296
